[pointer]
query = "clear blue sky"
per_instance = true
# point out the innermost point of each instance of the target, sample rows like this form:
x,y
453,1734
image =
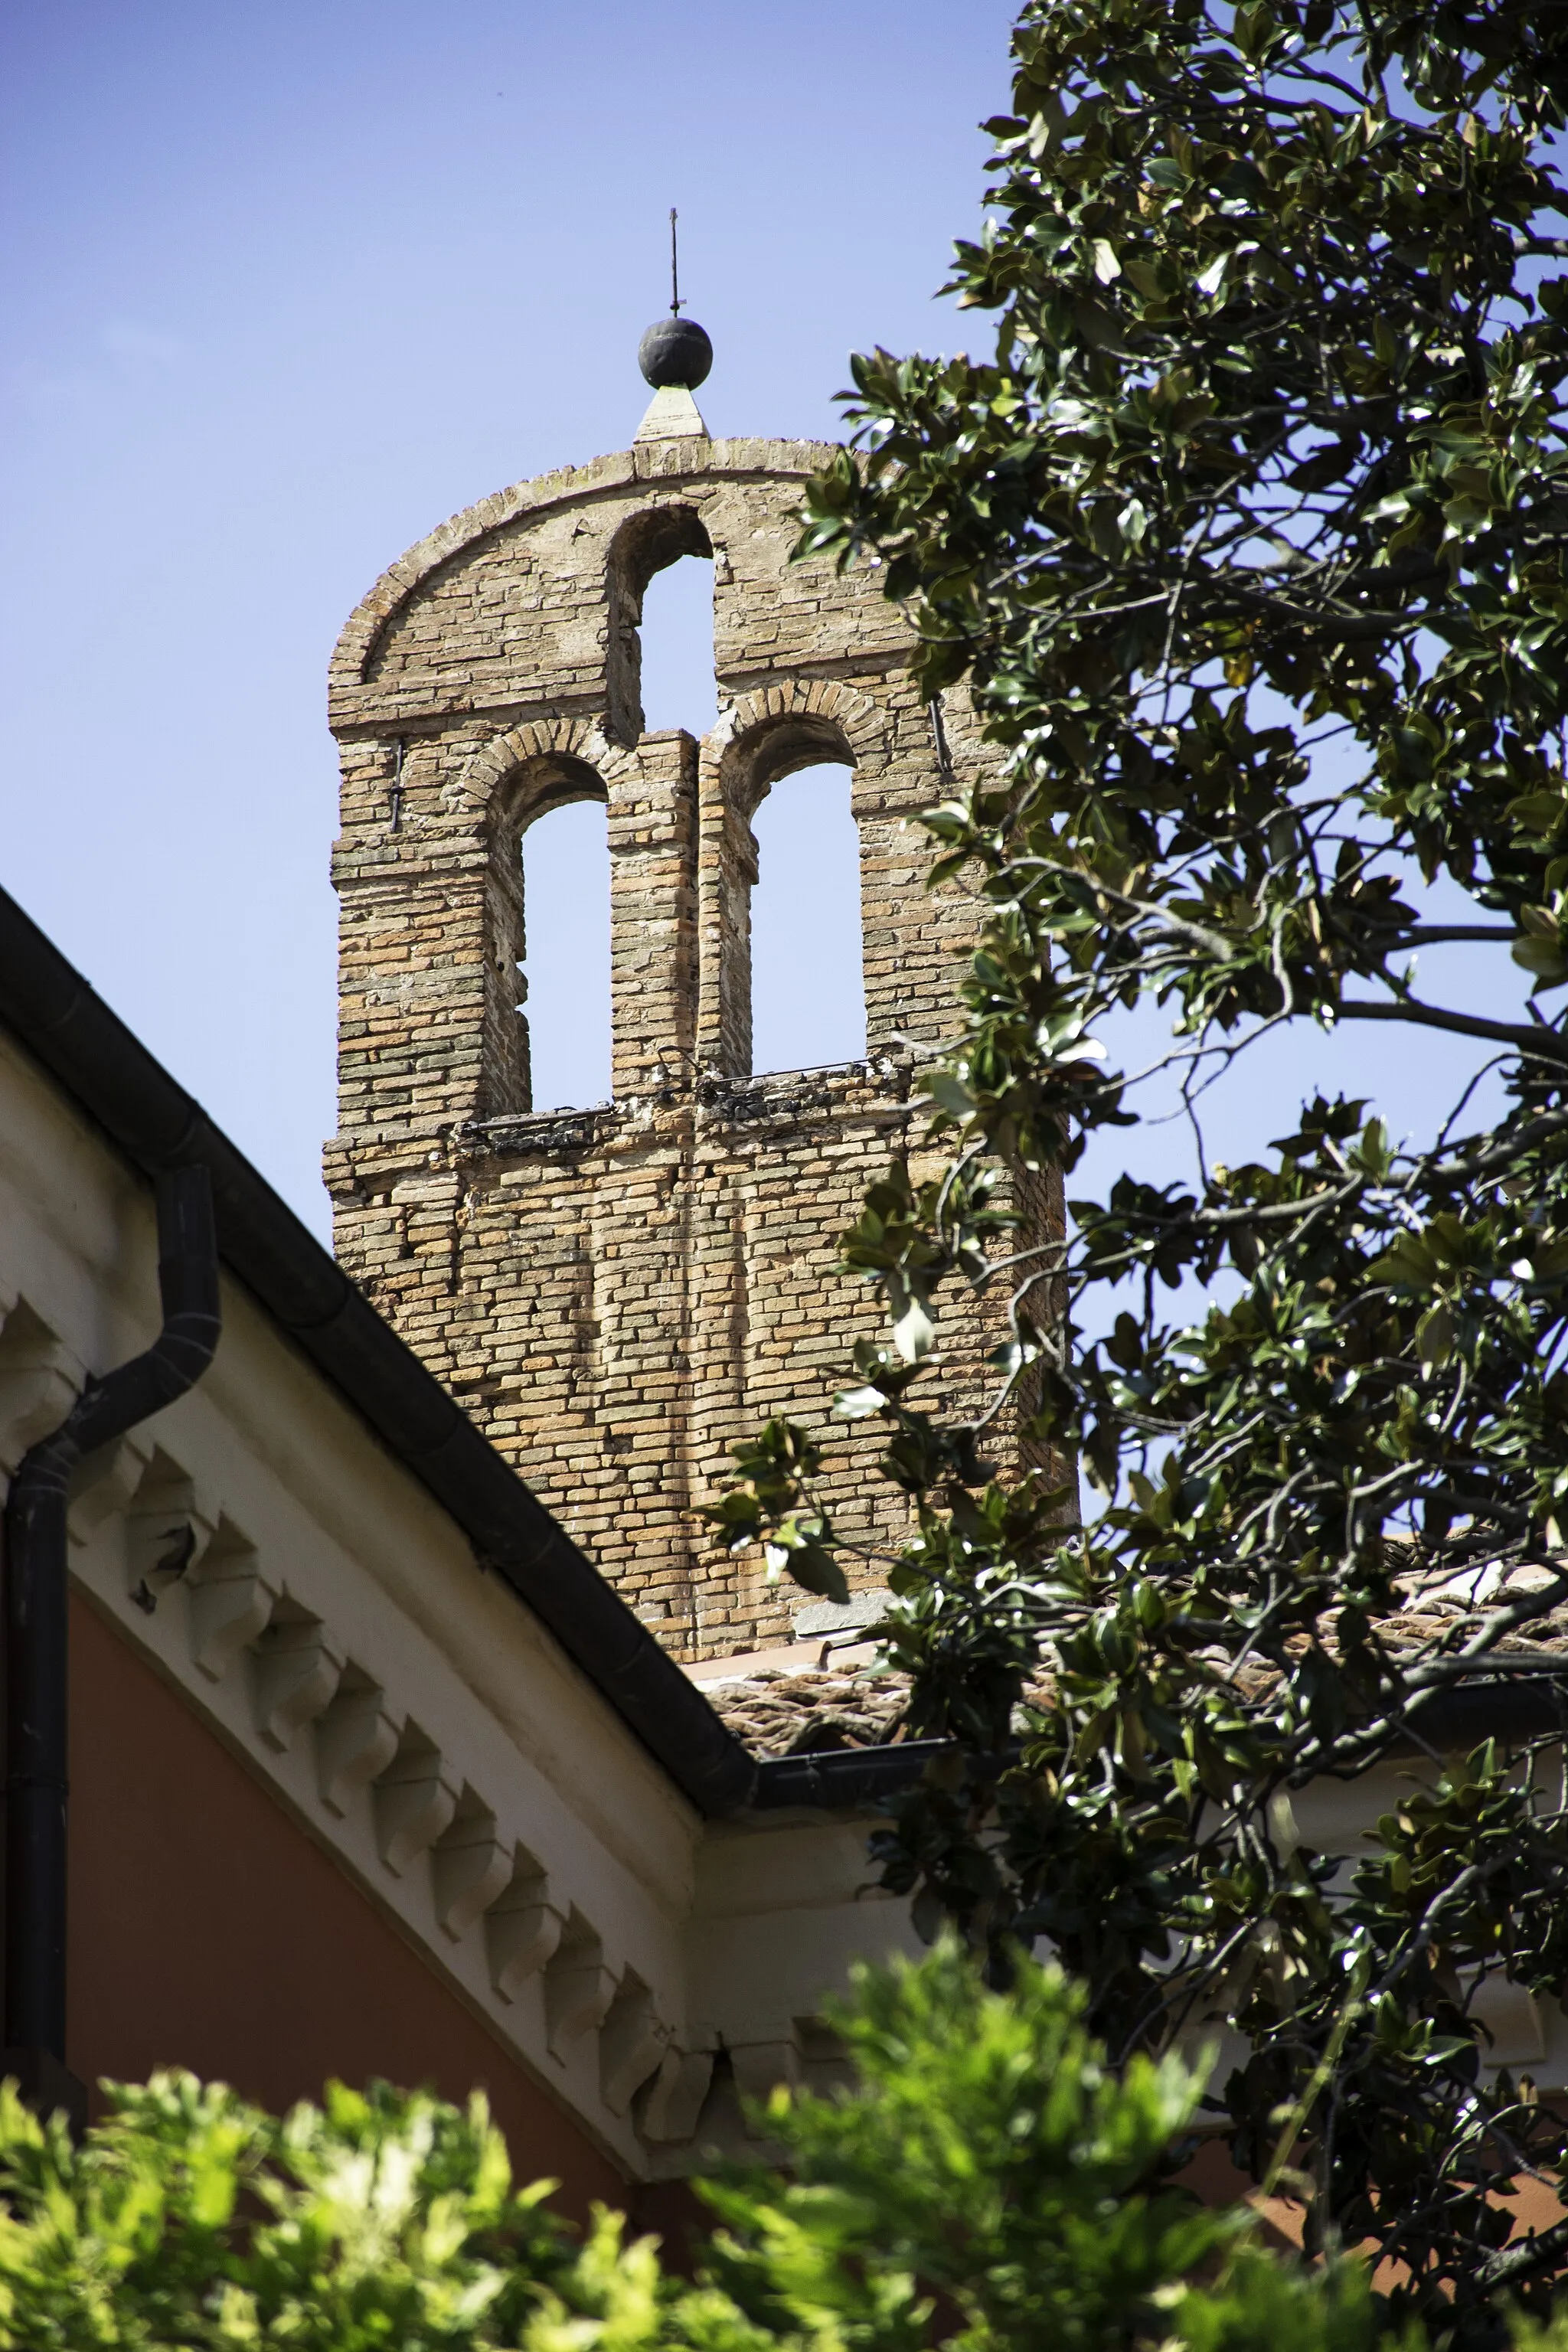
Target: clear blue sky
x,y
287,284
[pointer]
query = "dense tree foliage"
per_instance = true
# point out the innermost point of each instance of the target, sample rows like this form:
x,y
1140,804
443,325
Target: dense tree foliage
x,y
1250,547
989,2181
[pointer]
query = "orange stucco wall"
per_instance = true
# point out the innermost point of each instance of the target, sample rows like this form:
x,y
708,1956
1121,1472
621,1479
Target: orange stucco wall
x,y
208,1930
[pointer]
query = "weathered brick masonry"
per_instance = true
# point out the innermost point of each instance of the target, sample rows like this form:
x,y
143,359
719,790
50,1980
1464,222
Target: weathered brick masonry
x,y
616,1295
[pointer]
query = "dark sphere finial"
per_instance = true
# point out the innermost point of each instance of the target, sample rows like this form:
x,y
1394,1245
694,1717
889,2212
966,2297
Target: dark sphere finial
x,y
675,351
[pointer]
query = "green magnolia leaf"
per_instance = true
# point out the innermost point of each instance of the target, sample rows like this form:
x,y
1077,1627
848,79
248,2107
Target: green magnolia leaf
x,y
1542,949
1542,812
858,1404
914,1333
950,1093
1434,1336
797,1554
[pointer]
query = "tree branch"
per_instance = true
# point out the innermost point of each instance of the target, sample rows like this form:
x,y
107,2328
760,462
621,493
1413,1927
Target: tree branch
x,y
1526,1036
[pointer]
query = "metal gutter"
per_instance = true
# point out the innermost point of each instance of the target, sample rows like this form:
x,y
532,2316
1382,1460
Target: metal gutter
x,y
838,1780
90,1052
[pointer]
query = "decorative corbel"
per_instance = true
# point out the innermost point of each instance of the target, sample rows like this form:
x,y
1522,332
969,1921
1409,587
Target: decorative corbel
x,y
632,2043
415,1798
469,1867
298,1668
523,1929
578,1990
356,1739
676,2096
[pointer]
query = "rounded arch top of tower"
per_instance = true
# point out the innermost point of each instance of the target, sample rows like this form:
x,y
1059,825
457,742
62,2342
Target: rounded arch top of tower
x,y
512,604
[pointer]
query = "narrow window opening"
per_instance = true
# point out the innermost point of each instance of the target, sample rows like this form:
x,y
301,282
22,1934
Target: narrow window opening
x,y
677,631
565,967
808,989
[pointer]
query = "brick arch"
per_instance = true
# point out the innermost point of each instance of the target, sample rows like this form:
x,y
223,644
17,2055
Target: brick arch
x,y
856,713
652,536
361,637
552,781
633,479
559,747
796,723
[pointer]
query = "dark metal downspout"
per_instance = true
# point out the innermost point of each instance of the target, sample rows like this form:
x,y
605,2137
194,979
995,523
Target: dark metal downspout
x,y
36,1618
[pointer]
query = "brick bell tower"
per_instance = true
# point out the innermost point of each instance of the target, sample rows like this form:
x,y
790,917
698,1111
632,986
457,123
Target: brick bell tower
x,y
617,1295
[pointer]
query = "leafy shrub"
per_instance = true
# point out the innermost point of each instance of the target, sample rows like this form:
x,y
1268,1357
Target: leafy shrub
x,y
989,2181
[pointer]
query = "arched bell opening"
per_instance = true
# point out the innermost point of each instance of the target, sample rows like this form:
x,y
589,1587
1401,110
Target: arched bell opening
x,y
660,652
552,941
797,985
